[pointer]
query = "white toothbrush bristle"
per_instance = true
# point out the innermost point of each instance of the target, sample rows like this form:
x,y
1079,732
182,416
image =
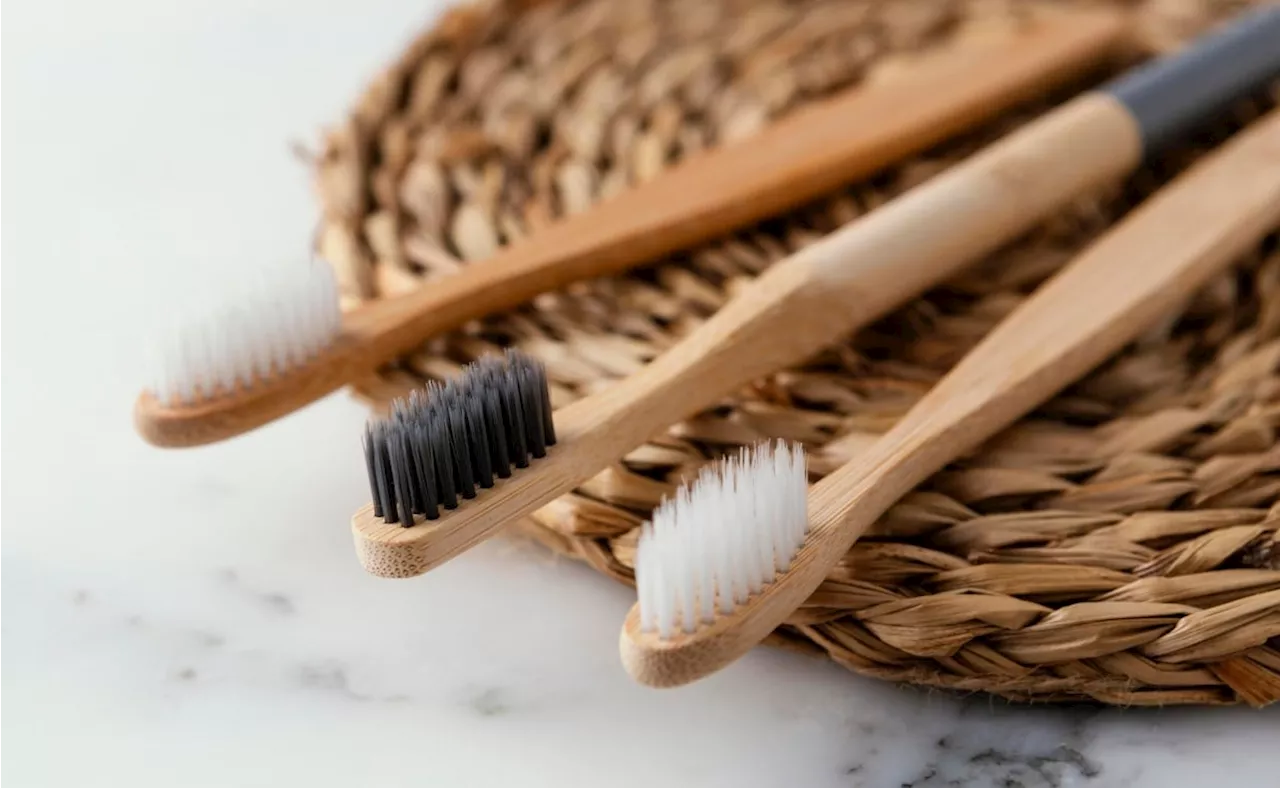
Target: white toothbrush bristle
x,y
220,339
721,539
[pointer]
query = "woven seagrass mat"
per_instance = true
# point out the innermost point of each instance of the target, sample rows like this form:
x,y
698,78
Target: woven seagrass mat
x,y
1120,544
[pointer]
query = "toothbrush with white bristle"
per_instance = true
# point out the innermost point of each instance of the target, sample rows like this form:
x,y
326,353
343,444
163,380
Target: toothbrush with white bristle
x,y
288,346
1127,280
742,520
278,319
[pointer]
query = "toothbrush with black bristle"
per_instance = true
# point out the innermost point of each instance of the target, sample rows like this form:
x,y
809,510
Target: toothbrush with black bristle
x,y
857,274
442,444
735,554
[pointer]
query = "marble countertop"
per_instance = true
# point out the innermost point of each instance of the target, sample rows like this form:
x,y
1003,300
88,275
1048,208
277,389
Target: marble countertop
x,y
198,618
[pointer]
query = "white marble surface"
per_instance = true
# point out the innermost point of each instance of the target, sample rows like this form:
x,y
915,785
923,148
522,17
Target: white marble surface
x,y
198,618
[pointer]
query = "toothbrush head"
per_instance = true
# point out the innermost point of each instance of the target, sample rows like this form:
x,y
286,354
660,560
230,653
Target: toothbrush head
x,y
443,444
232,360
263,330
719,564
722,539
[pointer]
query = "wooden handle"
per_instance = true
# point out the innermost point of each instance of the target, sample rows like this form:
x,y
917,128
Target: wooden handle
x,y
801,305
1162,252
1137,272
798,159
803,156
863,271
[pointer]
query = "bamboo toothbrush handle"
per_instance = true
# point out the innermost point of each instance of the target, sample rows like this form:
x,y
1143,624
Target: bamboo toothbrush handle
x,y
872,266
1158,257
868,268
804,155
1155,258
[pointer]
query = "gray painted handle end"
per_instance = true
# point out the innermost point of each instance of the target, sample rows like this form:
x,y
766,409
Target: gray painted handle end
x,y
1171,96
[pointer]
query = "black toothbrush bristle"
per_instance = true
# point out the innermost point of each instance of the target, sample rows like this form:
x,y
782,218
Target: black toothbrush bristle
x,y
424,460
532,412
497,433
401,470
367,444
478,437
548,423
446,474
384,498
518,435
460,440
447,441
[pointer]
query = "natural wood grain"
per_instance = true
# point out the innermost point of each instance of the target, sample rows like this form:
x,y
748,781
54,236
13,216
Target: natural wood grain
x,y
1126,281
799,306
799,158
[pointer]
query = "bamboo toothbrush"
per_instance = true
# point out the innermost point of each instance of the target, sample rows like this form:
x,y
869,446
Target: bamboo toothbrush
x,y
725,564
282,347
850,278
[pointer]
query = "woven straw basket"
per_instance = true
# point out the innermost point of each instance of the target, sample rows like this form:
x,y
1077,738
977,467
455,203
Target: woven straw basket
x,y
1120,544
